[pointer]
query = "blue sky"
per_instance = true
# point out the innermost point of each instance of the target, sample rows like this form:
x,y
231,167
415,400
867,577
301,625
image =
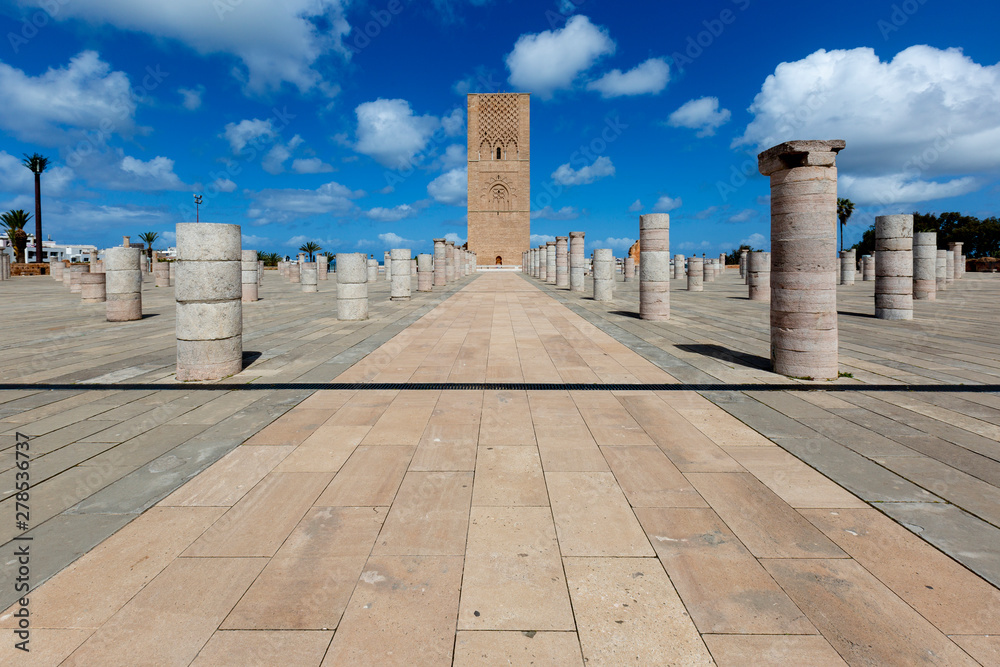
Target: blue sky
x,y
344,122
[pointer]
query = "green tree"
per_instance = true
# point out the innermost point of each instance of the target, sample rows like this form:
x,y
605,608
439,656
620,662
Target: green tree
x,y
149,238
14,222
269,258
733,256
37,164
845,208
310,247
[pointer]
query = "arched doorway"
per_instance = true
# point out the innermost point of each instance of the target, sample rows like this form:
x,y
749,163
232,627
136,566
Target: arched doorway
x,y
499,260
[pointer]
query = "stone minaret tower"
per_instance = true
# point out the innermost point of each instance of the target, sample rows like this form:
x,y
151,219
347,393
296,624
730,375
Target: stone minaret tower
x,y
499,177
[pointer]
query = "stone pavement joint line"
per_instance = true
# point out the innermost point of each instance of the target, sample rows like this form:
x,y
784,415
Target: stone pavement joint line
x,y
438,527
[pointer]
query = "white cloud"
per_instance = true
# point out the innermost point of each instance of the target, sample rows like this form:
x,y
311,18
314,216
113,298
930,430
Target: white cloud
x,y
451,187
900,189
551,60
743,216
274,161
251,241
666,204
548,213
566,175
648,78
706,213
536,240
454,123
276,41
83,96
246,131
702,114
224,185
926,113
311,165
155,174
390,133
455,155
394,214
15,178
390,240
452,237
192,97
286,204
757,241
635,207
620,244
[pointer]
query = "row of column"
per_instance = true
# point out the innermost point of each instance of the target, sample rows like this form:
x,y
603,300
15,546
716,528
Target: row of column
x,y
451,263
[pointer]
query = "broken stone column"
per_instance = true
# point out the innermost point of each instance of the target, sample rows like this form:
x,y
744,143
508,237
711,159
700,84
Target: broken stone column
x,y
941,271
400,289
628,270
440,263
678,265
543,266
550,262
249,276
758,269
958,266
294,272
425,272
309,277
925,266
577,261
449,262
803,177
604,274
894,267
847,264
654,267
867,268
352,286
322,267
696,274
708,270
123,280
93,288
562,261
161,274
743,262
208,292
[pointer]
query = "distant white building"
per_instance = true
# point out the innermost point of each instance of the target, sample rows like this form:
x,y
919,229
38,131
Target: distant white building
x,y
51,250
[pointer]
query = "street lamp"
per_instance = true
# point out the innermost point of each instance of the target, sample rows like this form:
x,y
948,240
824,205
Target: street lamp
x,y
197,208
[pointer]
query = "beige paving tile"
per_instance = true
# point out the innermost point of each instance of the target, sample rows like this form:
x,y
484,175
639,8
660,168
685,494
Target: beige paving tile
x,y
403,612
569,449
722,428
760,519
327,399
92,589
369,478
593,517
772,650
291,428
792,480
649,479
227,480
627,612
260,522
506,419
429,517
447,447
944,592
458,407
46,647
404,420
723,586
864,621
286,647
513,572
518,649
985,649
509,476
608,420
173,616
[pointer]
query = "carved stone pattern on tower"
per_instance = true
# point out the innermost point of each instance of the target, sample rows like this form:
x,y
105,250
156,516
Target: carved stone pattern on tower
x,y
498,121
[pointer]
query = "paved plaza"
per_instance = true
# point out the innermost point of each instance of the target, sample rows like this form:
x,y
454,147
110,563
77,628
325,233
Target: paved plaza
x,y
485,490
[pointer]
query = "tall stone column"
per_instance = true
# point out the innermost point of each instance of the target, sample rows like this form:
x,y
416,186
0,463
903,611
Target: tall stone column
x,y
322,267
440,261
708,271
352,286
400,288
93,288
562,261
941,271
678,265
654,267
696,274
387,264
604,274
758,269
543,265
249,278
743,262
925,266
803,257
894,267
309,277
425,272
577,261
958,266
550,262
449,262
209,311
123,284
950,263
867,268
848,262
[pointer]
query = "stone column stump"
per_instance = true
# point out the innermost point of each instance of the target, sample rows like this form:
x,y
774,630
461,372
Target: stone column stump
x,y
440,263
941,271
309,277
696,274
894,267
425,272
758,270
400,288
577,261
925,266
123,284
654,267
93,288
562,261
249,278
322,267
352,286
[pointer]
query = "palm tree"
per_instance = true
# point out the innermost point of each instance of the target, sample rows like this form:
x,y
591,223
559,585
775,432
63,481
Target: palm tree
x,y
845,207
310,247
15,221
269,258
149,238
37,164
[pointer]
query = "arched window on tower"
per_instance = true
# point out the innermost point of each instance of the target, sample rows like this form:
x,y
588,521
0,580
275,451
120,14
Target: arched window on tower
x,y
498,152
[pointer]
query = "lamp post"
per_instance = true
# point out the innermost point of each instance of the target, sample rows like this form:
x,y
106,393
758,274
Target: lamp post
x,y
197,208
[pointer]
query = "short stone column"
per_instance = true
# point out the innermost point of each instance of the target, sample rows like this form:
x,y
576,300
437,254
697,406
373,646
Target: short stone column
x,y
894,267
604,274
654,267
161,274
372,264
400,289
708,270
696,274
440,263
208,293
449,262
958,266
543,266
847,267
352,286
577,261
941,271
628,270
93,288
867,268
562,261
550,262
743,262
758,270
75,271
322,267
123,279
294,272
678,265
803,179
309,277
249,278
425,272
925,266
